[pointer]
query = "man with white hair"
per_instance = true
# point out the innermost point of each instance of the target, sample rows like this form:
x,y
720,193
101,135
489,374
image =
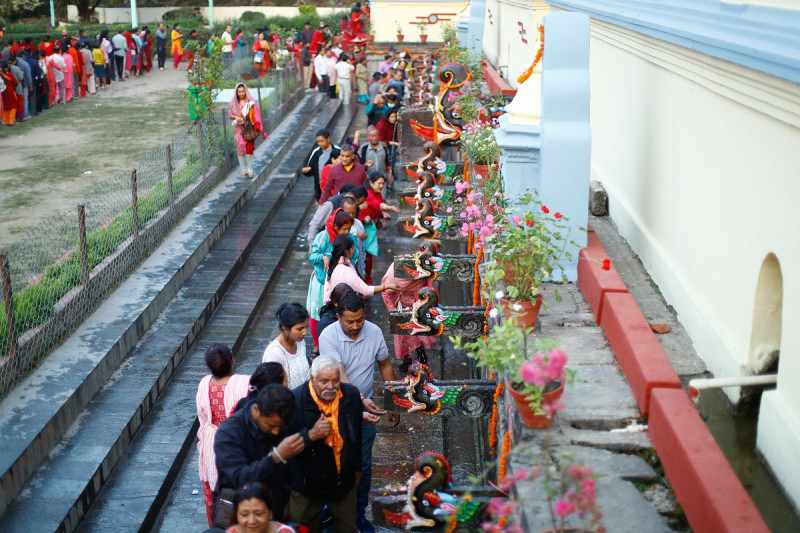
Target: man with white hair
x,y
357,345
328,416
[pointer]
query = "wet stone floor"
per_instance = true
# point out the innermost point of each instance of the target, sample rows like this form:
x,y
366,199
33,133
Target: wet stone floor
x,y
461,439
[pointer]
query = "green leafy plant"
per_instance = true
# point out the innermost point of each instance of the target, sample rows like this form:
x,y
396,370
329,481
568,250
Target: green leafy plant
x,y
206,75
450,34
479,143
530,248
399,28
422,25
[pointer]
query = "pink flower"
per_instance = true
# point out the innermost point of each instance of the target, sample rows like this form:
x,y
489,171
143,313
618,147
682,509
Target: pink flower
x,y
530,373
464,229
563,508
516,220
555,368
461,186
449,209
551,408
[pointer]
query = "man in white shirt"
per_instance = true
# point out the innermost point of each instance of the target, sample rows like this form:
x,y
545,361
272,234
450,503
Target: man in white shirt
x,y
344,72
321,70
227,45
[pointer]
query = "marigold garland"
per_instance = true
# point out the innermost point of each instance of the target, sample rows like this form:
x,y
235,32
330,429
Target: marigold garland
x,y
527,74
476,282
493,421
501,469
465,7
453,525
486,319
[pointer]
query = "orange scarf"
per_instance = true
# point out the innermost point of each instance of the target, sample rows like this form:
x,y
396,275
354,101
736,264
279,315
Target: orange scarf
x,y
331,412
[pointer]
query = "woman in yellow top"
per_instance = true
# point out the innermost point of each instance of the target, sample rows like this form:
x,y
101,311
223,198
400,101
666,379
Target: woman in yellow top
x,y
177,49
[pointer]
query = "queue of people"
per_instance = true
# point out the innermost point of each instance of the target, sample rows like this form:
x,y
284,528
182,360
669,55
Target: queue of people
x,y
37,76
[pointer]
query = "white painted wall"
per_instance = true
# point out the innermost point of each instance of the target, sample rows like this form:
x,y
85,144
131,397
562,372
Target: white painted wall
x,y
701,161
508,25
386,15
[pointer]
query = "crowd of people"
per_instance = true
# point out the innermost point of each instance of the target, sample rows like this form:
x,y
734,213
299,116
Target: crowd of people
x,y
35,77
297,446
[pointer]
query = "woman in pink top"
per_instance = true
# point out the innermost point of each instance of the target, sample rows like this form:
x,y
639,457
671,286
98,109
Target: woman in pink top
x,y
217,396
340,270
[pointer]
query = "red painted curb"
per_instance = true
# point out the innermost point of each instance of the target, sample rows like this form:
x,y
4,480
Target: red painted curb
x,y
494,82
593,281
706,486
636,348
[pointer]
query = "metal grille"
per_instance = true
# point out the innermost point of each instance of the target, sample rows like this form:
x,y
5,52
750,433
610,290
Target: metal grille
x,y
59,272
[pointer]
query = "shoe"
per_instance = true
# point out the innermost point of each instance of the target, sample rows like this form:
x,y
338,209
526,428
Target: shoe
x,y
326,515
363,525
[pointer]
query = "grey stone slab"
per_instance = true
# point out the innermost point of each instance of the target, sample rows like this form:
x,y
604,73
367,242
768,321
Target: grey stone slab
x,y
627,467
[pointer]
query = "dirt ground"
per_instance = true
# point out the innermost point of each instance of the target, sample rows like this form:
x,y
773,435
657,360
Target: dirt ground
x,y
49,162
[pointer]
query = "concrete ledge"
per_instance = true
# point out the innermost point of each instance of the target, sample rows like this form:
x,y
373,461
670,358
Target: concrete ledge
x,y
705,484
593,280
74,373
636,348
495,82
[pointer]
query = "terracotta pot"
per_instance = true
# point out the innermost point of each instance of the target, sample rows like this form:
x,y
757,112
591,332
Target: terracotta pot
x,y
529,418
526,317
482,169
423,38
400,37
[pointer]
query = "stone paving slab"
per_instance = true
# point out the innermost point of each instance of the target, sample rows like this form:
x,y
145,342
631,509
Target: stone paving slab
x,y
143,284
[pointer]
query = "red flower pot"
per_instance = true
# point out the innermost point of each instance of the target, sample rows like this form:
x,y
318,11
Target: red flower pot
x,y
529,418
525,317
483,170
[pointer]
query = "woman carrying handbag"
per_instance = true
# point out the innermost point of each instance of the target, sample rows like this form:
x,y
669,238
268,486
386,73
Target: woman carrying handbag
x,y
246,127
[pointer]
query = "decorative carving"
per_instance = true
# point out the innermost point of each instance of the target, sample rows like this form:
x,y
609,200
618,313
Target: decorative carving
x,y
426,318
419,392
427,506
447,124
427,189
445,173
426,263
426,224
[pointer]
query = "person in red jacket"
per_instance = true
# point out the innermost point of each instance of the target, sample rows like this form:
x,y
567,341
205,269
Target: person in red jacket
x,y
317,39
9,93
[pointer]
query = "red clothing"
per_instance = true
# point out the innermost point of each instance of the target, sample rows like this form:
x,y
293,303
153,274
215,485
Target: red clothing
x,y
77,62
317,40
323,176
373,209
339,176
10,94
386,132
47,46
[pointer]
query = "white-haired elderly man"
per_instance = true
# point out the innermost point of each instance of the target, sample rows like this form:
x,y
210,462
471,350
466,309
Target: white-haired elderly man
x,y
328,416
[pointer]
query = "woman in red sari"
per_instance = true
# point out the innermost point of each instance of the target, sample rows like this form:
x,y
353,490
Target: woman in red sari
x,y
261,60
147,49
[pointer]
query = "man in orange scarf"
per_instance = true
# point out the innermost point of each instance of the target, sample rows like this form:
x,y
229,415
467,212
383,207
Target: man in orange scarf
x,y
328,416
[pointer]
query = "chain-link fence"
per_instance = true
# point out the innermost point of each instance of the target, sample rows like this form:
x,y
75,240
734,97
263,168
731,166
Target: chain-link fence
x,y
62,269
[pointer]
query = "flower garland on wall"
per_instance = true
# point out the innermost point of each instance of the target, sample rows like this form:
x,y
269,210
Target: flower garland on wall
x,y
527,74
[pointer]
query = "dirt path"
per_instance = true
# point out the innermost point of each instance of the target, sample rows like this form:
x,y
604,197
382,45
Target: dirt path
x,y
50,162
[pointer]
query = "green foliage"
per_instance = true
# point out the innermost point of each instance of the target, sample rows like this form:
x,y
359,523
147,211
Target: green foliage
x,y
205,76
450,33
181,13
308,10
249,17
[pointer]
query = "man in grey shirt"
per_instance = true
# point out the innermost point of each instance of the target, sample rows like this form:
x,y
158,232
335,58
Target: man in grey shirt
x,y
357,344
120,47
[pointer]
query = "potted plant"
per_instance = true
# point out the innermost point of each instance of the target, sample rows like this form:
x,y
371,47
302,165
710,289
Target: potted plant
x,y
204,77
570,489
422,25
534,370
399,32
480,146
529,249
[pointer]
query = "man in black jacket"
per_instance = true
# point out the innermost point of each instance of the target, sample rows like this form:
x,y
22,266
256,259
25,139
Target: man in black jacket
x,y
252,445
328,416
319,158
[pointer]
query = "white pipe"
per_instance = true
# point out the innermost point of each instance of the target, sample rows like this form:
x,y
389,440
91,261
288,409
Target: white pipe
x,y
696,385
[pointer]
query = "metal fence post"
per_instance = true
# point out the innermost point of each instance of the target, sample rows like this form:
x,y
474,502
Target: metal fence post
x,y
260,107
169,176
225,135
84,251
135,205
202,147
8,299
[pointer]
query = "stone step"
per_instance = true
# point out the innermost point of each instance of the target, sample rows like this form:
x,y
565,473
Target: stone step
x,y
33,422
